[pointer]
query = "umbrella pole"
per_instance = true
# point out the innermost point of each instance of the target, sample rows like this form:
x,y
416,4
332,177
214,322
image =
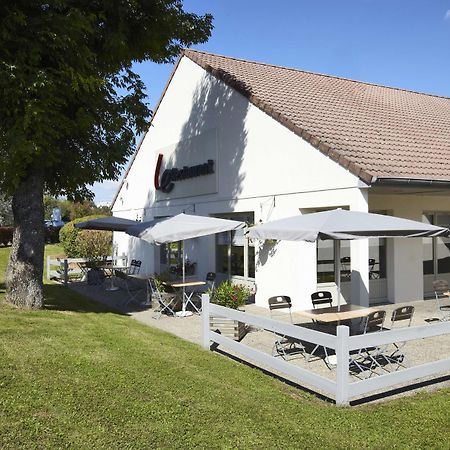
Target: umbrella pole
x,y
184,279
338,273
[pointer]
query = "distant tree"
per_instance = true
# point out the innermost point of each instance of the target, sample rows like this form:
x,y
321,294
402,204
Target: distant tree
x,y
6,214
71,210
71,104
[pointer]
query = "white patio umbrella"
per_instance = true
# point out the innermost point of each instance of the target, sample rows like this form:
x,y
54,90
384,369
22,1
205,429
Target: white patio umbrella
x,y
180,228
339,224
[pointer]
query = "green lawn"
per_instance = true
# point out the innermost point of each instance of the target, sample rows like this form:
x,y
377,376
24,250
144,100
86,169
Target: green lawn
x,y
78,376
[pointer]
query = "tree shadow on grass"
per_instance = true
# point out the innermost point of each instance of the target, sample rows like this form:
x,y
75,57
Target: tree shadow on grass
x,y
58,298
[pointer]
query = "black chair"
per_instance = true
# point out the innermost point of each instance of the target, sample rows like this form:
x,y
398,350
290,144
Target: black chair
x,y
369,359
402,315
321,298
196,301
285,346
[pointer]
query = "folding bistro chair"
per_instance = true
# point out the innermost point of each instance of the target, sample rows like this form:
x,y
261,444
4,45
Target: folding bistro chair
x,y
131,285
441,292
195,299
166,302
284,346
369,359
320,299
402,314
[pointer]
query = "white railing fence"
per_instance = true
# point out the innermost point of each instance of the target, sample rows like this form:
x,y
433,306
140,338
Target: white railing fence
x,y
63,268
343,389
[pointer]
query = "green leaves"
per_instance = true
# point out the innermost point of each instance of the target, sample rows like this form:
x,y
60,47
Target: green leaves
x,y
71,104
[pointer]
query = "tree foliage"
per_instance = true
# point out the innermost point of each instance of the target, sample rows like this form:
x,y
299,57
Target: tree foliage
x,y
71,105
71,210
71,102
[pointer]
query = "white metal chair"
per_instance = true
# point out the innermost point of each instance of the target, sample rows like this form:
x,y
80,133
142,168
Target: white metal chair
x,y
284,346
166,301
441,292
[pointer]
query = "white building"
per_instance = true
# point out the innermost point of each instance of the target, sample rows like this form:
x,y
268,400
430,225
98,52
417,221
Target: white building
x,y
272,142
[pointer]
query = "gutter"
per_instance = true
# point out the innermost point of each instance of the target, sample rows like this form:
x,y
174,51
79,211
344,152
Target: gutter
x,y
413,182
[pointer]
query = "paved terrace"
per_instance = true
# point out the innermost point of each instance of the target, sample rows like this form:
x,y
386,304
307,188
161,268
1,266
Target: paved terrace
x,y
189,328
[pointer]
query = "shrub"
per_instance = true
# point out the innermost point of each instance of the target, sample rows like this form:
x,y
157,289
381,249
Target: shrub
x,y
93,245
230,295
68,236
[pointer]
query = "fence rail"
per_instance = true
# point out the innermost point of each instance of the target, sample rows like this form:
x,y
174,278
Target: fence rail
x,y
62,268
342,390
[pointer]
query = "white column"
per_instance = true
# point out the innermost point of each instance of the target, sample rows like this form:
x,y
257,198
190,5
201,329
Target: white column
x,y
405,261
359,254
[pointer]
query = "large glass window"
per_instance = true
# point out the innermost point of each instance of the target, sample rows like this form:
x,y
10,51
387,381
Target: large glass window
x,y
235,254
326,260
436,251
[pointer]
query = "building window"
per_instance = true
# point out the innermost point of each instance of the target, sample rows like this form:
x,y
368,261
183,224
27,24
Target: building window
x,y
235,254
326,260
436,251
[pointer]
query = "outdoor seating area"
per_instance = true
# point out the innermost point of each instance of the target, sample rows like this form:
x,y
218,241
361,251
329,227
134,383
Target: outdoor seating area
x,y
364,363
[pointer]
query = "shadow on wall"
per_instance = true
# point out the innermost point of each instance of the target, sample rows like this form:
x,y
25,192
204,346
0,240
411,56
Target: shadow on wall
x,y
267,250
215,106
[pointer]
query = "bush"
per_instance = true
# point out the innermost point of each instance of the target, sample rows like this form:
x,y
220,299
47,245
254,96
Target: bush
x,y
93,244
6,235
230,295
68,236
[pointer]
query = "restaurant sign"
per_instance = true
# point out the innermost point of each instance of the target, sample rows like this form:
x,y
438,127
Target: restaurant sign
x,y
170,176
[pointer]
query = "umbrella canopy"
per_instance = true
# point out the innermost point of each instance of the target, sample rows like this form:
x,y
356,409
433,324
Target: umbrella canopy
x,y
343,225
339,224
106,223
181,227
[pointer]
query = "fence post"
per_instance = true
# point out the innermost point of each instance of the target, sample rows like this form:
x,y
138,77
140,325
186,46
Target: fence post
x,y
48,267
205,321
66,273
342,356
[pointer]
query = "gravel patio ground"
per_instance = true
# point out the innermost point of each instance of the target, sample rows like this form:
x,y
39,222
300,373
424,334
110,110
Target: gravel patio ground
x,y
189,328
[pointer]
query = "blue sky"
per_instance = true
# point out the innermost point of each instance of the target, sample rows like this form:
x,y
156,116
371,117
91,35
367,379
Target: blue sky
x,y
402,43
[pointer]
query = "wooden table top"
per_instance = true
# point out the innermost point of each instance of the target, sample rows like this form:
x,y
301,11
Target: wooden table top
x,y
179,284
331,314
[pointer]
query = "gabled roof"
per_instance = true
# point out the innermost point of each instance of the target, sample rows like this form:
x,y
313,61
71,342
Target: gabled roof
x,y
376,132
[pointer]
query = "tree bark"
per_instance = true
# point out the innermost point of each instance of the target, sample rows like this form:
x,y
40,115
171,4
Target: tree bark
x,y
24,284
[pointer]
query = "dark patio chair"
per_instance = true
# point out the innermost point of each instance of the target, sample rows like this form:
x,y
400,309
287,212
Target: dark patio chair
x,y
284,346
440,288
403,316
166,301
369,359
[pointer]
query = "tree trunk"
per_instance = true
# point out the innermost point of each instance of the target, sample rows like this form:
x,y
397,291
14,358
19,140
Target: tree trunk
x,y
24,284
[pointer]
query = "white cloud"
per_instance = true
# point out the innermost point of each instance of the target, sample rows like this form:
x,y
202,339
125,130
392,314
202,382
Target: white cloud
x,y
447,15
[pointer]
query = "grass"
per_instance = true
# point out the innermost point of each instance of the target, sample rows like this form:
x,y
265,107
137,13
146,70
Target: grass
x,y
76,375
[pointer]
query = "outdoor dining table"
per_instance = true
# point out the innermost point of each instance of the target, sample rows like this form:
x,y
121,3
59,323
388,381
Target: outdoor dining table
x,y
108,271
180,288
337,314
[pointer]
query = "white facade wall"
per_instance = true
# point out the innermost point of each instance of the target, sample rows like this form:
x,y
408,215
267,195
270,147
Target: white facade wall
x,y
261,167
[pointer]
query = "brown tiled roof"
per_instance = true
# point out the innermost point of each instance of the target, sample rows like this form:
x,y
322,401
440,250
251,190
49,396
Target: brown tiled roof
x,y
374,131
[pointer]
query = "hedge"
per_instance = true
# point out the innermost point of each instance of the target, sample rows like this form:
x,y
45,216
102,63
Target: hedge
x,y
68,236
